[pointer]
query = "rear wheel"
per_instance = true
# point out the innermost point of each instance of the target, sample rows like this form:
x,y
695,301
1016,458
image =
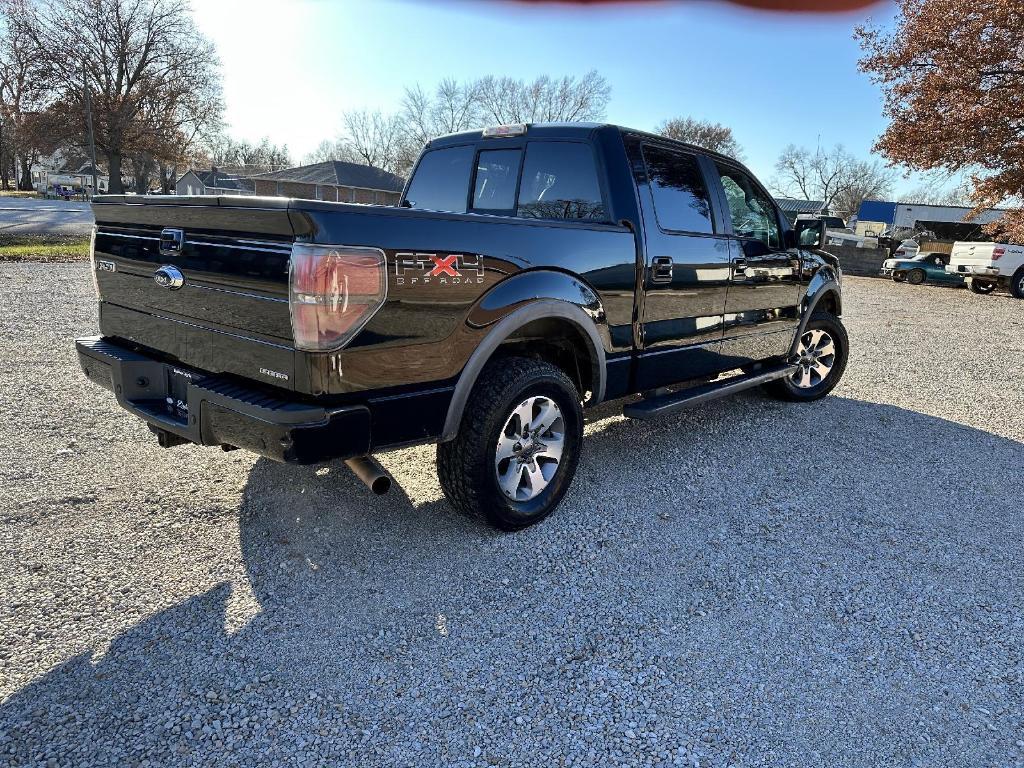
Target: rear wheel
x,y
518,444
916,276
982,287
821,360
1017,284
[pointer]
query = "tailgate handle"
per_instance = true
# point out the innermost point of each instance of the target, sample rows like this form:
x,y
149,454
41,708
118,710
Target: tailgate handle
x,y
171,241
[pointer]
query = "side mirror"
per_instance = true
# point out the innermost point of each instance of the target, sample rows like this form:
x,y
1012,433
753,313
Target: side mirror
x,y
810,233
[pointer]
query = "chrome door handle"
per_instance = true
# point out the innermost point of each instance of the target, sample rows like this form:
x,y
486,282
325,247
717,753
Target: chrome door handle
x,y
661,271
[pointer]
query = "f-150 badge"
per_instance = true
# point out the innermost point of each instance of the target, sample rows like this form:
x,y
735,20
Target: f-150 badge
x,y
443,269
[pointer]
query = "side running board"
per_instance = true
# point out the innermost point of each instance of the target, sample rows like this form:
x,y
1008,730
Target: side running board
x,y
660,405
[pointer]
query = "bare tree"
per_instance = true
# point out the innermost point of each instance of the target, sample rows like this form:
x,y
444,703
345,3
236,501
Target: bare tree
x,y
864,180
331,149
154,79
393,141
453,107
245,157
24,92
958,197
377,139
833,176
545,99
702,133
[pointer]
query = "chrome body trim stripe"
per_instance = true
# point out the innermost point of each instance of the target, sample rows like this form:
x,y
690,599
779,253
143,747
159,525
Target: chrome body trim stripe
x,y
279,250
239,293
250,245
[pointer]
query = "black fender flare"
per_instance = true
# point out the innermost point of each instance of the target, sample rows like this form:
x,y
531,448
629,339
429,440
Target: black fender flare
x,y
503,329
824,282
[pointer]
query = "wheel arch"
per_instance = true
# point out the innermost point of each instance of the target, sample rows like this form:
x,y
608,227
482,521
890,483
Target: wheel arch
x,y
1017,283
824,292
542,315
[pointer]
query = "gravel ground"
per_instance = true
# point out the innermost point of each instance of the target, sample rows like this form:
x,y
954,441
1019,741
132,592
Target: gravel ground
x,y
752,584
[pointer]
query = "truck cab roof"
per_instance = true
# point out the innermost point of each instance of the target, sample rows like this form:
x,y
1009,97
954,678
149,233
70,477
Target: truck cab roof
x,y
578,131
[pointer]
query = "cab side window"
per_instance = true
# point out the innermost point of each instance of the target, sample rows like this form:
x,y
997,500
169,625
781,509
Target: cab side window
x,y
681,200
560,182
751,210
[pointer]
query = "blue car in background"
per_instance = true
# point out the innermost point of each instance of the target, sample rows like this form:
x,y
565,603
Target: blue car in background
x,y
925,267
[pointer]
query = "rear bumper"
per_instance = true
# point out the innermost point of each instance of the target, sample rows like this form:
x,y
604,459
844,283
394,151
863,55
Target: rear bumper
x,y
211,410
978,270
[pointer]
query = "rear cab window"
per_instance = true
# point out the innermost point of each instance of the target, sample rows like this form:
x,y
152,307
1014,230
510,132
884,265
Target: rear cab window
x,y
497,174
549,179
441,180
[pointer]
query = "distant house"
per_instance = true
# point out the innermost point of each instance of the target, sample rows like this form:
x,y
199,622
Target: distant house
x,y
793,208
65,172
212,182
335,181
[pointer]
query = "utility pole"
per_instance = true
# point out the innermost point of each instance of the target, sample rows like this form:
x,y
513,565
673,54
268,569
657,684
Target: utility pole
x,y
88,125
3,160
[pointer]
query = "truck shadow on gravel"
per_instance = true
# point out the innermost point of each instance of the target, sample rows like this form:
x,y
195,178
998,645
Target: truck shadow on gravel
x,y
776,581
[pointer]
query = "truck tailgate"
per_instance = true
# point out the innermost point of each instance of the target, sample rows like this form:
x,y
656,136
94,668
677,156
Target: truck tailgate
x,y
232,255
971,254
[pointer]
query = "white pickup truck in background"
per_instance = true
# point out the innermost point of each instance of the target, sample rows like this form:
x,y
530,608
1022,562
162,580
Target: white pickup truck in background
x,y
987,265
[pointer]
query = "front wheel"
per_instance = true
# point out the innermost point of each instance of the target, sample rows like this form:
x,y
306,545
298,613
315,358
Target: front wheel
x,y
820,358
982,287
518,444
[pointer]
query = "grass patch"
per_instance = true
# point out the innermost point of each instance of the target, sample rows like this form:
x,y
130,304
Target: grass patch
x,y
43,248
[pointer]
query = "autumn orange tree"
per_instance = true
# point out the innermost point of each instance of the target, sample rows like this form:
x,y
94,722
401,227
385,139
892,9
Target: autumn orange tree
x,y
952,75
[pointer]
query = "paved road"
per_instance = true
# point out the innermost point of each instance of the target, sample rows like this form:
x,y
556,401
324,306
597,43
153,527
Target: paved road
x,y
749,584
28,216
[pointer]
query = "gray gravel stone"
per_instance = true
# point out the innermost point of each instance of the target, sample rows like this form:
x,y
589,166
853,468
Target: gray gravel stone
x,y
751,584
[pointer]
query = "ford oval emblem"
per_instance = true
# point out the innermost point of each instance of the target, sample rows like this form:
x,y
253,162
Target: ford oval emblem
x,y
170,277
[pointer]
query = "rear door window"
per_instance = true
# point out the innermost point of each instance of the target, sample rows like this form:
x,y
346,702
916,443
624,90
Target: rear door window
x,y
441,181
560,182
497,172
681,199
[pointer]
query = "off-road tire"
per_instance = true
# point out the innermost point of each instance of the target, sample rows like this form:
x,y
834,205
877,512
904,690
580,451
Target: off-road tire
x,y
466,464
787,389
1017,284
916,277
982,288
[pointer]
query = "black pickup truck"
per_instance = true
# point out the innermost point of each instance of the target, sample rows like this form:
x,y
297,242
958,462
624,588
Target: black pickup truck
x,y
529,272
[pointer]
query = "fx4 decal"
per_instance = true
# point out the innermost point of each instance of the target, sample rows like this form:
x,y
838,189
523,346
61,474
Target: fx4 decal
x,y
444,269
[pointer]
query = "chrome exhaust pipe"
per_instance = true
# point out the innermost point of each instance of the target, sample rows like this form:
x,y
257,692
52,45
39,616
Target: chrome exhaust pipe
x,y
373,475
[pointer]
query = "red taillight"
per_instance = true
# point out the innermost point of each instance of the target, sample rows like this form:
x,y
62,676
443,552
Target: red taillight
x,y
997,253
333,291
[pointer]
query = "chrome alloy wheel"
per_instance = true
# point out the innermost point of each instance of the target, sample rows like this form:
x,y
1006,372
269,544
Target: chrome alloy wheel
x,y
530,448
814,358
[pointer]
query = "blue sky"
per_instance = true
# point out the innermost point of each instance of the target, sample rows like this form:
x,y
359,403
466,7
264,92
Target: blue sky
x,y
292,68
